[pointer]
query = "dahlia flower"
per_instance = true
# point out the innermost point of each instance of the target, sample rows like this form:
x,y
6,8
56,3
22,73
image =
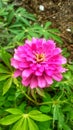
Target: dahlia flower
x,y
38,62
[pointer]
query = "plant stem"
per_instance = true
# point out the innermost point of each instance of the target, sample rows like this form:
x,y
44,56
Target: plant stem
x,y
28,97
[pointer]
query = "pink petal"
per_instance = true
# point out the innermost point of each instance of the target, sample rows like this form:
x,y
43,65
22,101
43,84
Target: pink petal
x,y
34,82
64,60
14,63
41,82
57,77
17,73
26,73
48,79
26,81
57,51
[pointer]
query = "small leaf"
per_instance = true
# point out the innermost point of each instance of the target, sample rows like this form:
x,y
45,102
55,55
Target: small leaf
x,y
40,92
10,119
55,37
10,16
32,125
47,25
7,85
34,112
45,109
3,69
6,58
42,117
16,82
3,77
55,112
14,111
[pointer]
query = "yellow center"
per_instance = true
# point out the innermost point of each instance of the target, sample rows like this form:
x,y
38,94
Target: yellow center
x,y
40,57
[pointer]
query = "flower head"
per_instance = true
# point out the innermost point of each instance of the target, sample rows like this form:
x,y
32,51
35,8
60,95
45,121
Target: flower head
x,y
38,62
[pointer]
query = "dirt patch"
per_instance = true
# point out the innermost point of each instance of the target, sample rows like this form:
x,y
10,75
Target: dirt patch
x,y
59,12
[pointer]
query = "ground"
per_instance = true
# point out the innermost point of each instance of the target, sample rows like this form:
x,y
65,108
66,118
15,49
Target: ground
x,y
59,12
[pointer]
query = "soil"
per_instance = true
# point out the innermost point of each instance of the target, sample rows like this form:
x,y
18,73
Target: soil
x,y
59,12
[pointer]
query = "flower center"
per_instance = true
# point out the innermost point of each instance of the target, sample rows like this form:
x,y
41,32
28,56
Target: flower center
x,y
40,57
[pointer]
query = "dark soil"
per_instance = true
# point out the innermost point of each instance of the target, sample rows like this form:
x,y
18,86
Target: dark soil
x,y
59,12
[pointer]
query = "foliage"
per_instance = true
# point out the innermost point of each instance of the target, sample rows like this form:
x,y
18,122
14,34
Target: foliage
x,y
21,108
16,24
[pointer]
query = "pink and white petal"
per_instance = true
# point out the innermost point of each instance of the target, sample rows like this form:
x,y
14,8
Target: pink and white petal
x,y
23,65
14,63
57,51
48,79
26,81
17,73
57,77
41,82
38,73
34,82
26,73
63,60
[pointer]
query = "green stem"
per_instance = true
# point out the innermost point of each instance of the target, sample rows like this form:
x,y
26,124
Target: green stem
x,y
28,97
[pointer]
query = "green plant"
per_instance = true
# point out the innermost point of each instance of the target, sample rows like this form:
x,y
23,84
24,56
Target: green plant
x,y
17,25
20,107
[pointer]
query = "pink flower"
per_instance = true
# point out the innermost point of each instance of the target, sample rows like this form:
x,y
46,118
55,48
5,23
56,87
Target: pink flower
x,y
38,62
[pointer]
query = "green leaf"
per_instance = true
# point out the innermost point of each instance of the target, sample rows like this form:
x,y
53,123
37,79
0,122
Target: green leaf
x,y
16,82
22,124
1,4
55,112
10,16
45,109
66,127
10,119
47,25
40,92
3,77
6,58
34,112
18,124
14,111
42,117
55,37
3,69
7,85
32,125
25,124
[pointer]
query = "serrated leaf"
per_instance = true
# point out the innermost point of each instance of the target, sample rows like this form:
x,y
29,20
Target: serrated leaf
x,y
10,119
14,111
32,125
7,85
42,117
